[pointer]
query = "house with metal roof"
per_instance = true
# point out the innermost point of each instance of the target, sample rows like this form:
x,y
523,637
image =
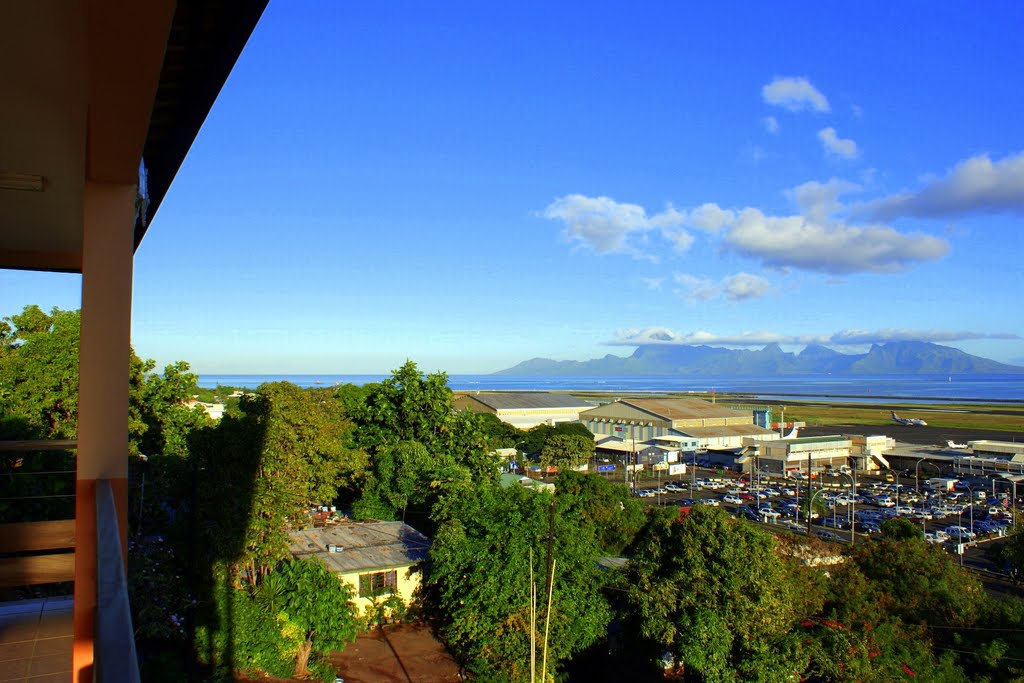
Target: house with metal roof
x,y
524,409
645,419
377,559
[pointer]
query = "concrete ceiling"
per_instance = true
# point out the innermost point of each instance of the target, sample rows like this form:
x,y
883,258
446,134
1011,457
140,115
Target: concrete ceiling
x,y
79,84
43,80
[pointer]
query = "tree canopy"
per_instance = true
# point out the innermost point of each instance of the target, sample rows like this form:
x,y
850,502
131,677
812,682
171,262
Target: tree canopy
x,y
481,576
716,595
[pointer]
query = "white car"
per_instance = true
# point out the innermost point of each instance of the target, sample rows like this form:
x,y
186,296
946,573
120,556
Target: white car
x,y
960,533
732,499
769,513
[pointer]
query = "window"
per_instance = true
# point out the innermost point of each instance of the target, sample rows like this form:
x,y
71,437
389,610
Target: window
x,y
378,583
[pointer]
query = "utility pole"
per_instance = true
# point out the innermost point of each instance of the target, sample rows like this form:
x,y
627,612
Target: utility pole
x,y
551,544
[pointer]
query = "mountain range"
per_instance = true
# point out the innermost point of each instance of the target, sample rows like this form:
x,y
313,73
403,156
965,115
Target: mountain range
x,y
902,358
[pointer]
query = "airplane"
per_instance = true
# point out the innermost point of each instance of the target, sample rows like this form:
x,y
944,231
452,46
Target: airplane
x,y
951,444
909,421
792,434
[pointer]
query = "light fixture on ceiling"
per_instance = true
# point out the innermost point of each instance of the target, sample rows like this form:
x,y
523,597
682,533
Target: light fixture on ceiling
x,y
28,182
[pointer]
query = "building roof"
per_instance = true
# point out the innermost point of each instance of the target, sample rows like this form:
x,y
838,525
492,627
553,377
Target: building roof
x,y
365,545
667,409
751,430
529,400
684,408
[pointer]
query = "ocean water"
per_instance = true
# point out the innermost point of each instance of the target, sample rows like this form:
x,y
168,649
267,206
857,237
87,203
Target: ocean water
x,y
861,388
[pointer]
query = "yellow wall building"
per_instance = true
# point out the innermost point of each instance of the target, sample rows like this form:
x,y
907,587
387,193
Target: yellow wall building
x,y
377,559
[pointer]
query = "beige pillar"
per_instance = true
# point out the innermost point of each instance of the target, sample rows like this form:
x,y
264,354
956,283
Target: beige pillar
x,y
107,251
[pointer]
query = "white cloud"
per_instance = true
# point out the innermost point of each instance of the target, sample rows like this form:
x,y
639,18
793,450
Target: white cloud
x,y
830,247
819,238
711,217
664,335
744,286
771,124
894,335
652,282
695,288
976,185
819,201
794,94
837,146
680,239
738,287
603,224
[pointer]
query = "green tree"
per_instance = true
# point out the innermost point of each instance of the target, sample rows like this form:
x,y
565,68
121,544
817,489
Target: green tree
x,y
480,576
1009,554
916,581
607,507
314,601
901,529
567,451
287,448
715,593
411,433
39,374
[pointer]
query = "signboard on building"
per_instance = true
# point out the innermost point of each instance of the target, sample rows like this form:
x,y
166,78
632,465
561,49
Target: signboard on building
x,y
677,469
635,468
606,468
660,466
672,456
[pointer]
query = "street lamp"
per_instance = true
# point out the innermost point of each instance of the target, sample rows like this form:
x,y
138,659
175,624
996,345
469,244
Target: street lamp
x,y
917,485
810,508
972,508
852,515
897,475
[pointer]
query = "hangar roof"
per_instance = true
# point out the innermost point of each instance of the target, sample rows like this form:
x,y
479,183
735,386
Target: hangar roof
x,y
529,400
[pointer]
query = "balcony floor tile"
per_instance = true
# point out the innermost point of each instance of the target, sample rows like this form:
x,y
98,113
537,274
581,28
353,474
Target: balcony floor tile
x,y
36,640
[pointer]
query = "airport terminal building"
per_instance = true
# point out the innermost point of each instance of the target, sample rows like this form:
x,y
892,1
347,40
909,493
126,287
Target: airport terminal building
x,y
698,423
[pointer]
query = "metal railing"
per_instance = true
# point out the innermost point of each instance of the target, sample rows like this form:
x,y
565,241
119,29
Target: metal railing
x,y
38,544
116,660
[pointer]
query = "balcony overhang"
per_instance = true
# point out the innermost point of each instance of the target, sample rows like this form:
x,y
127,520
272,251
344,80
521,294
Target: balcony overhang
x,y
92,88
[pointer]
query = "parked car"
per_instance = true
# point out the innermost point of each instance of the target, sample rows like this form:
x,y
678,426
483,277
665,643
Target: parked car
x,y
960,533
732,499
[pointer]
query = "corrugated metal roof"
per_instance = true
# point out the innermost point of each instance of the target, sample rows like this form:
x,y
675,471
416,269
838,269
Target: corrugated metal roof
x,y
366,545
530,400
684,408
750,430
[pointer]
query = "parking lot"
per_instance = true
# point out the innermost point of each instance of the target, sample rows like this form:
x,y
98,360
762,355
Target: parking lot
x,y
960,520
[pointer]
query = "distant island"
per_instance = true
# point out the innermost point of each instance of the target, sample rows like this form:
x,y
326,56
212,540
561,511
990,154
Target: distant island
x,y
893,358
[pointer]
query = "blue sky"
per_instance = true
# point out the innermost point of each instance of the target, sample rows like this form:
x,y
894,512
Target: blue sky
x,y
470,185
